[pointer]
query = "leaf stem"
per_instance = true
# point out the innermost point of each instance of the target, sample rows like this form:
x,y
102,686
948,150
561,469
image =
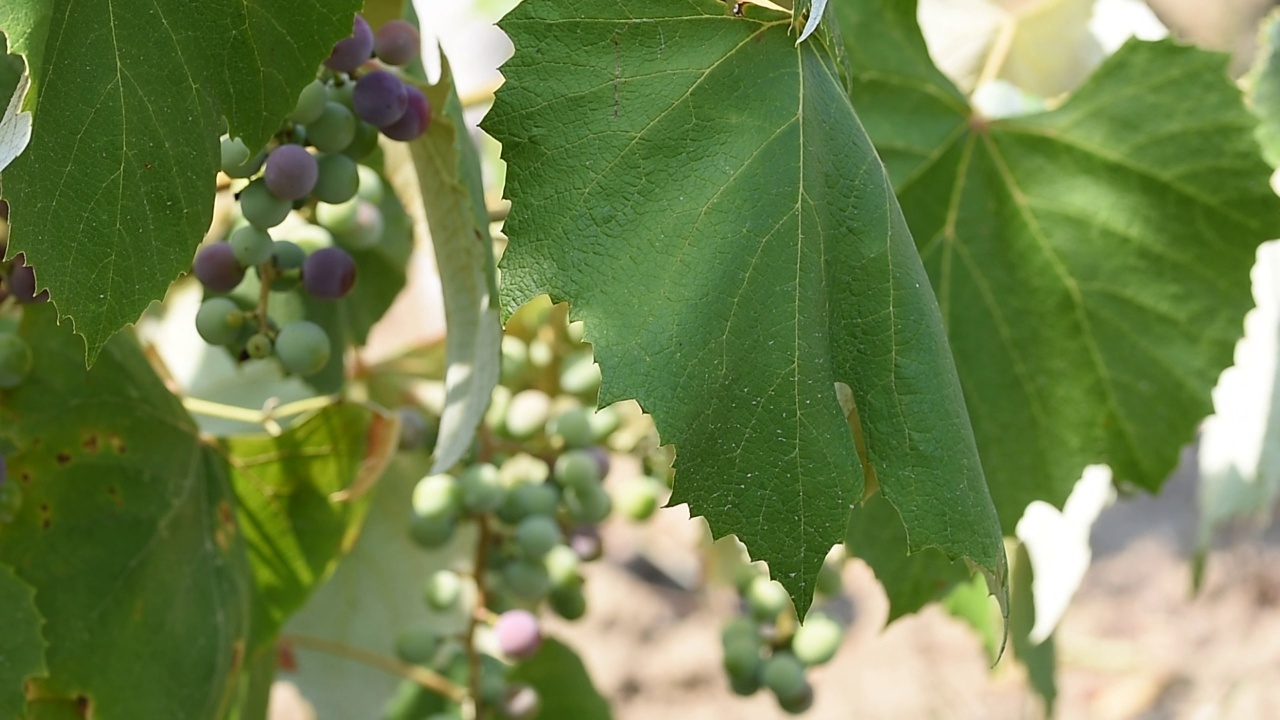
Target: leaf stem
x,y
428,679
267,416
480,96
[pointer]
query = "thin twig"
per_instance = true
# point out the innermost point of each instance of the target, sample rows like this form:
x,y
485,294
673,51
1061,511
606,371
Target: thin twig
x,y
426,678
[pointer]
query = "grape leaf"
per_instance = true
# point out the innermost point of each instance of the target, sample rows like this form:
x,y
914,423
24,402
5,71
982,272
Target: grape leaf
x,y
439,175
1091,262
116,188
699,190
296,506
21,644
562,682
126,532
1264,88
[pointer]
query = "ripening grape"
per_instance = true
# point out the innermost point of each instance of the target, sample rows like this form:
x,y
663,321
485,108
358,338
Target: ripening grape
x,y
527,580
380,98
352,51
568,601
482,490
767,598
518,632
586,543
638,498
415,429
15,361
414,121
258,346
577,469
431,532
286,255
291,172
364,142
237,161
573,426
22,282
219,321
303,347
520,702
816,641
562,564
370,185
527,413
217,268
262,208
588,505
367,230
437,496
329,273
337,219
250,245
784,675
334,130
536,535
397,42
310,103
417,644
338,179
444,588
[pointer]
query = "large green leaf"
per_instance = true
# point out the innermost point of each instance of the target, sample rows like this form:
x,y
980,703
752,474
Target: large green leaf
x,y
560,678
127,532
699,189
300,503
116,188
1264,88
1092,262
21,644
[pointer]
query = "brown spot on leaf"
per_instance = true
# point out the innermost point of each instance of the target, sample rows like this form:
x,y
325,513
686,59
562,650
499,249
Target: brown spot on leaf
x,y
63,458
90,443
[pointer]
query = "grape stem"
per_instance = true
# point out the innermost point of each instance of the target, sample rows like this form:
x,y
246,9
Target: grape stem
x,y
473,657
266,274
268,417
428,679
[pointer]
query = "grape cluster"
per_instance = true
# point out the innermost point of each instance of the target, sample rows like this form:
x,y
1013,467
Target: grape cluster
x,y
310,173
535,492
765,647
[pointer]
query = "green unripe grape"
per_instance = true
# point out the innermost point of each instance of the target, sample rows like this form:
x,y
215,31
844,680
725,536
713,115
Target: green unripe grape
x,y
536,535
742,656
741,631
364,143
258,346
638,498
334,130
829,581
799,703
576,331
562,565
367,229
817,640
337,218
745,685
568,601
370,185
527,501
417,645
219,321
261,208
251,245
527,413
444,589
578,469
588,505
431,532
286,255
524,469
482,489
309,238
784,675
237,161
573,426
10,501
303,347
743,575
541,354
495,417
310,103
526,580
767,598
15,361
605,422
336,180
515,359
493,680
341,93
437,496
580,375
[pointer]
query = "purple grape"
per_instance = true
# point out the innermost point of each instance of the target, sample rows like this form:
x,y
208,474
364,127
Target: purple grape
x,y
329,273
291,172
414,121
380,98
22,282
217,268
397,43
519,633
350,52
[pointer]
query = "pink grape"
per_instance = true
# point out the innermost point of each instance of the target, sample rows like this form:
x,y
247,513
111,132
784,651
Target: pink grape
x,y
350,52
397,43
329,273
519,633
415,120
291,172
380,98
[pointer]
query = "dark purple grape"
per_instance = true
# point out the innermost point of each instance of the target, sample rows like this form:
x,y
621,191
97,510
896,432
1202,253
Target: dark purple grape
x,y
329,273
217,268
22,282
291,172
414,121
350,52
397,43
380,98
519,633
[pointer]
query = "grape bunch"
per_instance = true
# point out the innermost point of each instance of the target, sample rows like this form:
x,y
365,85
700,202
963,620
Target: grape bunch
x,y
306,202
765,646
531,498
